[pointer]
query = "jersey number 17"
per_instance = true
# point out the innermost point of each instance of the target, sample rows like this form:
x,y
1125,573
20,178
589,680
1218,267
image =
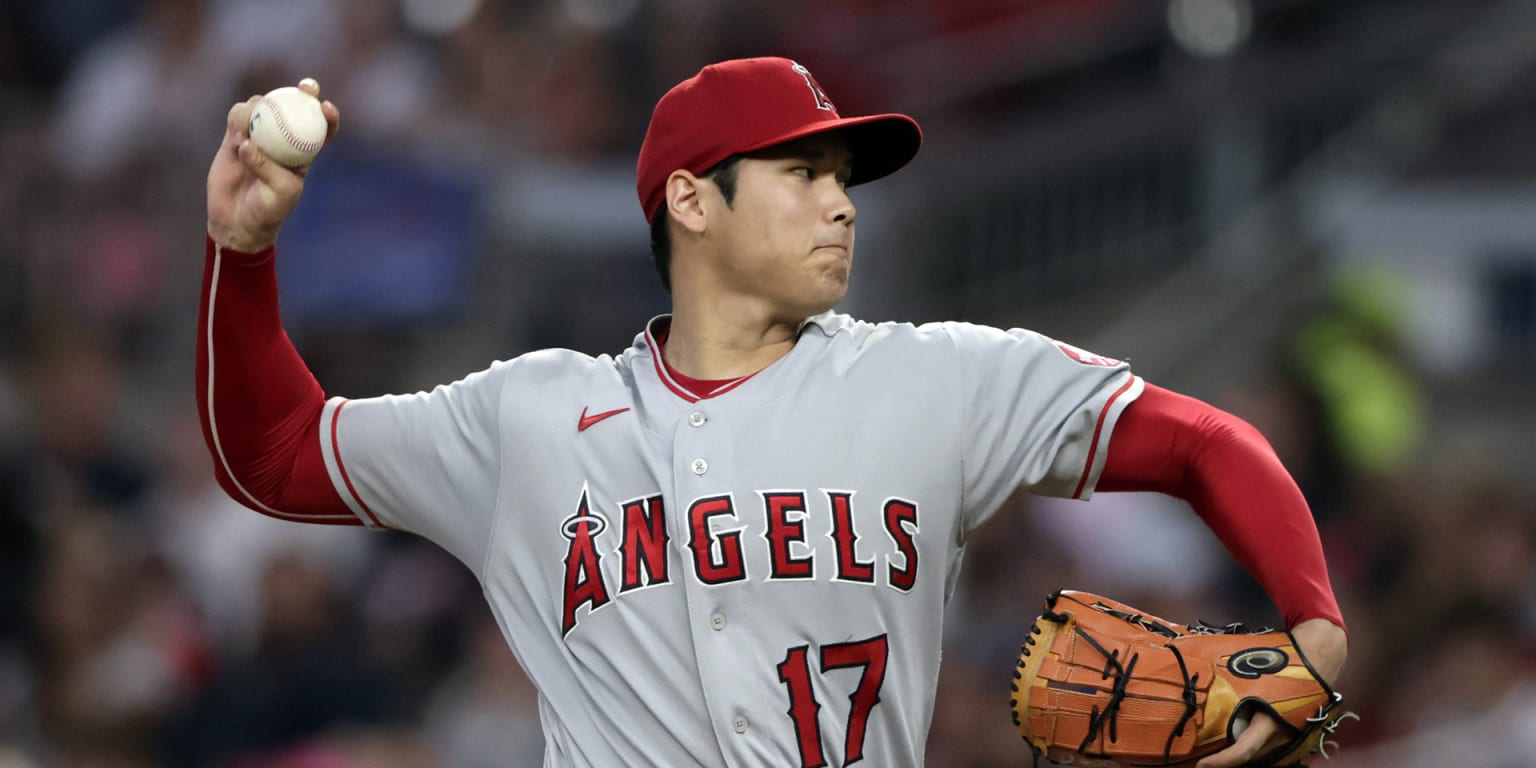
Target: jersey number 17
x,y
795,673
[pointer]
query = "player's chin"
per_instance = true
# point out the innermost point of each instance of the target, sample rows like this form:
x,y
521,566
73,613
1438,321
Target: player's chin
x,y
834,266
828,292
836,276
828,271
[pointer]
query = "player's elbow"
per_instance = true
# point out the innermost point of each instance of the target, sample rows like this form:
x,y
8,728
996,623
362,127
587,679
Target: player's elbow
x,y
296,489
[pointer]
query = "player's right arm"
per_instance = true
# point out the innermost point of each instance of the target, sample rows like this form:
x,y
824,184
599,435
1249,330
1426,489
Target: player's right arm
x,y
427,462
259,405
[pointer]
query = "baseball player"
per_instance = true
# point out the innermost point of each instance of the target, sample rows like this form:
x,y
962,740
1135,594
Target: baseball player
x,y
731,543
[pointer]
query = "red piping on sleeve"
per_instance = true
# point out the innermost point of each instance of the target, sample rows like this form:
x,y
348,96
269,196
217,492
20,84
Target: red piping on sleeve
x,y
1098,429
341,466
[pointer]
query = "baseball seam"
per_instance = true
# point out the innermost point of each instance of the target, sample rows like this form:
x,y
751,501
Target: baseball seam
x,y
293,140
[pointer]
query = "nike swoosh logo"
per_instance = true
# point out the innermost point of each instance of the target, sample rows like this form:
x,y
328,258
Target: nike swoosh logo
x,y
587,421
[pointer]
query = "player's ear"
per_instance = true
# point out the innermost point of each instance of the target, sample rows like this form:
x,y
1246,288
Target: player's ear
x,y
685,201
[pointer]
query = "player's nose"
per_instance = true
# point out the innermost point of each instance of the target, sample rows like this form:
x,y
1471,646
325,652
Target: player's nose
x,y
840,207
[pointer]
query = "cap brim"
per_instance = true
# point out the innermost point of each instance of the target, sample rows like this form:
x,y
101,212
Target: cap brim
x,y
881,144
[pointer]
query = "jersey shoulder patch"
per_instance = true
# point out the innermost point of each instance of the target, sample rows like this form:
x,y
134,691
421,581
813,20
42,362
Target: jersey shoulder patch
x,y
1084,356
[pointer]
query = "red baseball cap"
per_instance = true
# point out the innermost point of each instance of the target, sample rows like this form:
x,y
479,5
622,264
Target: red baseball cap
x,y
745,105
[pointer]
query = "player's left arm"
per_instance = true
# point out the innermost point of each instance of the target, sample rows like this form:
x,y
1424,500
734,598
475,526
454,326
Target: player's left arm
x,y
1225,469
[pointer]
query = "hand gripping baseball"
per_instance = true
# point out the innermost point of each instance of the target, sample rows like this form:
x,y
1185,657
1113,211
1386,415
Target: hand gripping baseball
x,y
249,194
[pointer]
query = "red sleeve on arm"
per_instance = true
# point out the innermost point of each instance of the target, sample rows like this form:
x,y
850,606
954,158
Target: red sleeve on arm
x,y
1227,471
258,403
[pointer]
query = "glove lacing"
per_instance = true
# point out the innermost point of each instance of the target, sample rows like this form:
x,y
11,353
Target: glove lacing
x,y
1122,675
1111,711
1191,702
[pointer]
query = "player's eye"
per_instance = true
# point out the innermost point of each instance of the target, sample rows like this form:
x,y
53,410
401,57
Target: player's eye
x,y
804,170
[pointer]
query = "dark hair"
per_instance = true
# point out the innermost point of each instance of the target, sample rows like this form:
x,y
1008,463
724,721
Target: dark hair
x,y
723,174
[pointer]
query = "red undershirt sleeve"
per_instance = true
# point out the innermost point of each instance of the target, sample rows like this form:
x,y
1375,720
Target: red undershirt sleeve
x,y
258,403
1227,471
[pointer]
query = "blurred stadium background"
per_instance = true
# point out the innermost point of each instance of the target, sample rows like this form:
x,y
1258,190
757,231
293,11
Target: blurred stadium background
x,y
1320,215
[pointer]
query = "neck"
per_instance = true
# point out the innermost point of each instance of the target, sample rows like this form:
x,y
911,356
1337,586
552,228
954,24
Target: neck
x,y
707,341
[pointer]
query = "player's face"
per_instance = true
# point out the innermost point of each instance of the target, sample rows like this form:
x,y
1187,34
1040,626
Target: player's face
x,y
787,238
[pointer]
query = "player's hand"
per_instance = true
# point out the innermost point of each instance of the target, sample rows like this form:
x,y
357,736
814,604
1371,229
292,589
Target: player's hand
x,y
249,194
1326,648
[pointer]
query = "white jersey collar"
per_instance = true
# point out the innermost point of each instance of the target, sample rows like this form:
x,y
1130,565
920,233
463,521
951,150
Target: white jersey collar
x,y
828,323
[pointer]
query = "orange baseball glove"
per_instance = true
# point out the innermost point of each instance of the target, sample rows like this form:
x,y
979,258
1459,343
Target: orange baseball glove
x,y
1100,683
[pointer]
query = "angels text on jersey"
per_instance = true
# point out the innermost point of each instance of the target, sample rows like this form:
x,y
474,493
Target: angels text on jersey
x,y
714,552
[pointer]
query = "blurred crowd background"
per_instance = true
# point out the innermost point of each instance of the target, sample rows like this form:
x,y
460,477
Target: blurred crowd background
x,y
1319,215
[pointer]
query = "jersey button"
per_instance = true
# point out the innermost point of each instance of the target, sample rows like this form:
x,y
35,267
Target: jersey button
x,y
717,621
739,724
696,419
700,466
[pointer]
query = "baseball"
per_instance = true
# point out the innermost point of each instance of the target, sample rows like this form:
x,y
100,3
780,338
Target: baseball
x,y
288,125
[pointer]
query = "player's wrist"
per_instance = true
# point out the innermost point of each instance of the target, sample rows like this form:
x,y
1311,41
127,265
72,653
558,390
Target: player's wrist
x,y
1326,646
232,239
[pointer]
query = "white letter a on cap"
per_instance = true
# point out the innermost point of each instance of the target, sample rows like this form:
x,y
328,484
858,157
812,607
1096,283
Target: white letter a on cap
x,y
822,102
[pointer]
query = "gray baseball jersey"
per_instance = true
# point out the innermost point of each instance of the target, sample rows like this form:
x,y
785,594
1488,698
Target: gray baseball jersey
x,y
753,578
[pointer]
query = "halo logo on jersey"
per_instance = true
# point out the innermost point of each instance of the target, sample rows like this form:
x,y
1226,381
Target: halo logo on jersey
x,y
644,554
583,579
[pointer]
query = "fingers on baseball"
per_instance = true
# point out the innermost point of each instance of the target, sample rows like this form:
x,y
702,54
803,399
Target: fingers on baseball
x,y
332,119
269,171
239,115
311,86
